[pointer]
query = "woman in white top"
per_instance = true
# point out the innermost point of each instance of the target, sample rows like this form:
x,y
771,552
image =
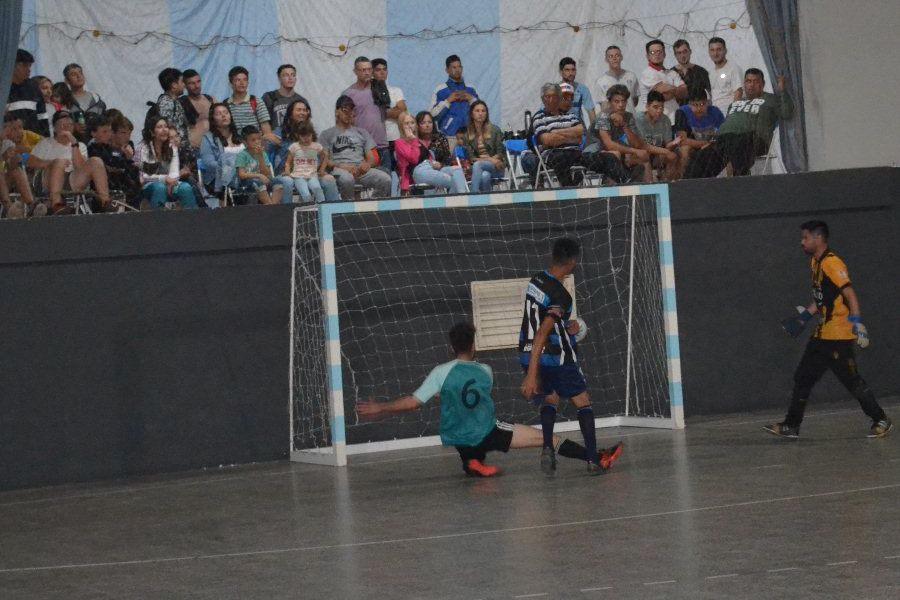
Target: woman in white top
x,y
157,159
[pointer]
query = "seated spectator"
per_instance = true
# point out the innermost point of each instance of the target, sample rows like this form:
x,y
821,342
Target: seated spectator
x,y
14,131
656,129
694,76
121,173
25,100
436,142
617,76
483,143
46,86
277,101
655,77
13,178
352,153
750,122
169,106
558,136
698,124
195,105
306,163
255,170
187,165
619,150
246,109
157,158
66,166
122,129
299,112
64,101
219,149
88,102
451,99
416,158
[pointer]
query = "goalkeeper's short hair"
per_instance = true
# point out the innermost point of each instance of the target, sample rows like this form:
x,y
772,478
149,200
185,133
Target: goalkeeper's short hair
x,y
565,249
816,227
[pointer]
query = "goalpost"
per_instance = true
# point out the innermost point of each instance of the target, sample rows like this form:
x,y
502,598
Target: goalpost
x,y
376,285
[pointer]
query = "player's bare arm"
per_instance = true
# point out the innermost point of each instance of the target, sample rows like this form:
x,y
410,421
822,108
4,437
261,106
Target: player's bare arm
x,y
371,408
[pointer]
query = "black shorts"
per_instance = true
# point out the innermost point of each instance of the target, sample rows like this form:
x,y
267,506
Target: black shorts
x,y
498,439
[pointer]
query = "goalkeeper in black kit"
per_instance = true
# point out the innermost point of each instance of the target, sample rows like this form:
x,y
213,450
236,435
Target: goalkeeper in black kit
x,y
831,346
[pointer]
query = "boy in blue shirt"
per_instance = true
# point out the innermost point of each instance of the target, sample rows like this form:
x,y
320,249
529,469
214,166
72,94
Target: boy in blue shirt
x,y
468,421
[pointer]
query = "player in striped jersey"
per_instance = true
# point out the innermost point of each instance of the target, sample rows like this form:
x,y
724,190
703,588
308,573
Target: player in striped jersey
x,y
548,353
468,421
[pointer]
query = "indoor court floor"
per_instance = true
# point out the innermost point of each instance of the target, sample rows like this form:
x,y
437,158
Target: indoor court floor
x,y
719,510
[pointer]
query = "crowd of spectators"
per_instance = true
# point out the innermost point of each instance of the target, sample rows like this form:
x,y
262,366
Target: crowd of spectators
x,y
660,124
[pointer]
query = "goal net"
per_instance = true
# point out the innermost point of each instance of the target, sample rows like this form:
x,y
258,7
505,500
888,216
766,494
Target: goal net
x,y
376,285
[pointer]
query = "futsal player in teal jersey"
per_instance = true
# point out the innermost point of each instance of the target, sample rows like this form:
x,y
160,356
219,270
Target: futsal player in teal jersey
x,y
468,421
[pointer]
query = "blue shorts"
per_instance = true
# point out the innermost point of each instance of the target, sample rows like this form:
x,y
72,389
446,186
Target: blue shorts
x,y
567,381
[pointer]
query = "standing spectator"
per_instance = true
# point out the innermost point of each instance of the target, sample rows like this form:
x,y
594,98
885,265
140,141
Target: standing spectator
x,y
369,116
657,78
484,145
277,101
46,86
170,108
726,78
451,100
195,105
299,112
617,76
245,108
698,123
352,153
65,164
25,99
558,135
396,107
219,149
306,163
693,75
582,99
617,138
255,170
656,129
157,158
89,102
63,100
750,122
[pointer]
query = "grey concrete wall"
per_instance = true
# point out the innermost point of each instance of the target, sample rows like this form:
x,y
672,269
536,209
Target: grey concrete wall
x,y
148,343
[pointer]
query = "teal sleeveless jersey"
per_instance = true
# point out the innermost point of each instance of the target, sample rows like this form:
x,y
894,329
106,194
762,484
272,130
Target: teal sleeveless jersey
x,y
467,409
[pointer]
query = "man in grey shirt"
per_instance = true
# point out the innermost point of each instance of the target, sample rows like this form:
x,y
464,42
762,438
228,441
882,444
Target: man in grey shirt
x,y
352,153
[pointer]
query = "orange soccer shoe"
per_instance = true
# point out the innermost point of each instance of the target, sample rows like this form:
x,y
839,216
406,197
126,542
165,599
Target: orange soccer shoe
x,y
479,469
609,456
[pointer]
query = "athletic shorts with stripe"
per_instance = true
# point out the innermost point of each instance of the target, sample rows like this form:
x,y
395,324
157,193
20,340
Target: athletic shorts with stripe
x,y
498,439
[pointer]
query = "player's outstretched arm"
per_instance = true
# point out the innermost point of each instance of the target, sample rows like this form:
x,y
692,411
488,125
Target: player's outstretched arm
x,y
530,384
371,408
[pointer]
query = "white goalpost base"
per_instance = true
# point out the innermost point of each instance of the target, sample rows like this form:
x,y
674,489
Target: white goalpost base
x,y
321,360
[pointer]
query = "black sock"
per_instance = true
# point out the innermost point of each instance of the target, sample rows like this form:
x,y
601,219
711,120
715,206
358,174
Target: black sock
x,y
548,419
586,422
571,449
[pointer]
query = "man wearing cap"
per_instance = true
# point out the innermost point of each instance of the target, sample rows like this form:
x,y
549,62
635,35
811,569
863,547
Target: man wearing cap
x,y
352,153
558,135
25,100
65,164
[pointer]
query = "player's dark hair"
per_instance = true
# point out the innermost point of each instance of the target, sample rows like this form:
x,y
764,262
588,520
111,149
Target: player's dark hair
x,y
654,43
566,61
654,96
618,90
679,43
451,59
285,66
462,337
167,77
565,249
189,73
755,71
717,40
816,227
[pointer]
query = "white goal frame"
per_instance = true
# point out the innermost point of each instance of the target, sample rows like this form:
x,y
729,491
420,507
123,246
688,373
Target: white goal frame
x,y
337,453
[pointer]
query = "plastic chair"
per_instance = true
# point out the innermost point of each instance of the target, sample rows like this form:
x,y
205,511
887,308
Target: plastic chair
x,y
518,179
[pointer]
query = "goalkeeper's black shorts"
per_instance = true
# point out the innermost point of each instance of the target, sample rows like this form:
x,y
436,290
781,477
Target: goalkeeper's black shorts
x,y
498,439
